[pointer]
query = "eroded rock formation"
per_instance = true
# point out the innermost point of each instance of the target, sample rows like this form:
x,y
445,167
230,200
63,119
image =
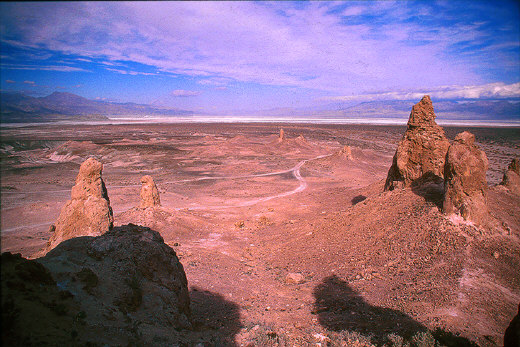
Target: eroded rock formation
x,y
420,155
88,212
125,287
511,178
281,137
149,193
465,179
345,153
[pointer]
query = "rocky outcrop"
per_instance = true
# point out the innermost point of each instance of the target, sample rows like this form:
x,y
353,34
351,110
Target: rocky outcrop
x,y
149,193
420,155
127,278
125,287
88,212
511,178
465,179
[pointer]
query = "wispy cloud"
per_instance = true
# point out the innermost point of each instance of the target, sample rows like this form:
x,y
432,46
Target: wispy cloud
x,y
337,47
490,91
10,81
43,67
185,93
134,73
29,82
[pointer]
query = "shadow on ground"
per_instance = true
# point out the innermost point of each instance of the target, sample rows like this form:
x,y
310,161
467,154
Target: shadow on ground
x,y
214,317
358,199
340,308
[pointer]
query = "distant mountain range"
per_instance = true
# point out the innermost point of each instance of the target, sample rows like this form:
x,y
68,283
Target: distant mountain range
x,y
18,107
449,110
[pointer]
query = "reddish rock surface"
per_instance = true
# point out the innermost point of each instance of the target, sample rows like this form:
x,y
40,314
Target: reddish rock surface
x,y
420,154
88,212
511,178
465,179
149,193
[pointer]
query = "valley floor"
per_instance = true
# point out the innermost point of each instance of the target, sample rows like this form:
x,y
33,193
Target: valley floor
x,y
286,242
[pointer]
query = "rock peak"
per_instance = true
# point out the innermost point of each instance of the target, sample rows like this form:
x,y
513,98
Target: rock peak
x,y
422,113
149,193
88,212
421,153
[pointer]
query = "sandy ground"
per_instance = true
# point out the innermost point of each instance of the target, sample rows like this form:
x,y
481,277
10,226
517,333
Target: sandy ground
x,y
247,214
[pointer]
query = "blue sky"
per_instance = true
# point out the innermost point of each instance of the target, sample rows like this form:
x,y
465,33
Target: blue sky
x,y
220,56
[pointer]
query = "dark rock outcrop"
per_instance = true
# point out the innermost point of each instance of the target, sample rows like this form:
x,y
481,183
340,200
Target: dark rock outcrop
x,y
88,212
127,278
149,193
465,179
420,155
125,287
511,178
35,311
512,334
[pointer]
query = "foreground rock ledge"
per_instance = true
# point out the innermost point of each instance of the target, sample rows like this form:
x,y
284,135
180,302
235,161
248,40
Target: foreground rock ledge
x,y
419,157
88,212
125,287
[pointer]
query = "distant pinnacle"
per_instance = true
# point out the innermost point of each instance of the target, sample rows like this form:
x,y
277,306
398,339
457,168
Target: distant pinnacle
x,y
281,138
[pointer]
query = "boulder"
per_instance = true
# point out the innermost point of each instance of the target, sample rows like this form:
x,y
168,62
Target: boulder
x,y
88,212
511,178
465,186
149,193
420,154
127,278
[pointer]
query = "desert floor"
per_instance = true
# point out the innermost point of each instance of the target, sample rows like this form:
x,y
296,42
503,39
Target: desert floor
x,y
285,241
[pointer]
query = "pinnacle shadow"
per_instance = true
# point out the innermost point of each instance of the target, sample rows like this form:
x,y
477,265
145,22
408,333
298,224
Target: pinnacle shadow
x,y
430,187
215,317
341,308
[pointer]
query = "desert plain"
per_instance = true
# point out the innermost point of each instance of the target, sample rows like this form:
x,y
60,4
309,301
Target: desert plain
x,y
286,240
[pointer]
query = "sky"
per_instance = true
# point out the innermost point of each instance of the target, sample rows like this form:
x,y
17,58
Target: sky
x,y
241,55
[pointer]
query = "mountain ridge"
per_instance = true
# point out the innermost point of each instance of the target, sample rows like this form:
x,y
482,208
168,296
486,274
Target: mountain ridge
x,y
18,107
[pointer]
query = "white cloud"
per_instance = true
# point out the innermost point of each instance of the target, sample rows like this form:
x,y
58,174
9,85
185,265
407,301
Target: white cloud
x,y
42,67
185,93
29,82
308,46
489,91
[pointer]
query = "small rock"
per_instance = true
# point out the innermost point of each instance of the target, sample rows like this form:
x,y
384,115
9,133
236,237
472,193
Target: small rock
x,y
294,278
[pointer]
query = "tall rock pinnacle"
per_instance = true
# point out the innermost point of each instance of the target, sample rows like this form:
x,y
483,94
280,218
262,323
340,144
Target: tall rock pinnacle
x,y
149,193
88,212
421,152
